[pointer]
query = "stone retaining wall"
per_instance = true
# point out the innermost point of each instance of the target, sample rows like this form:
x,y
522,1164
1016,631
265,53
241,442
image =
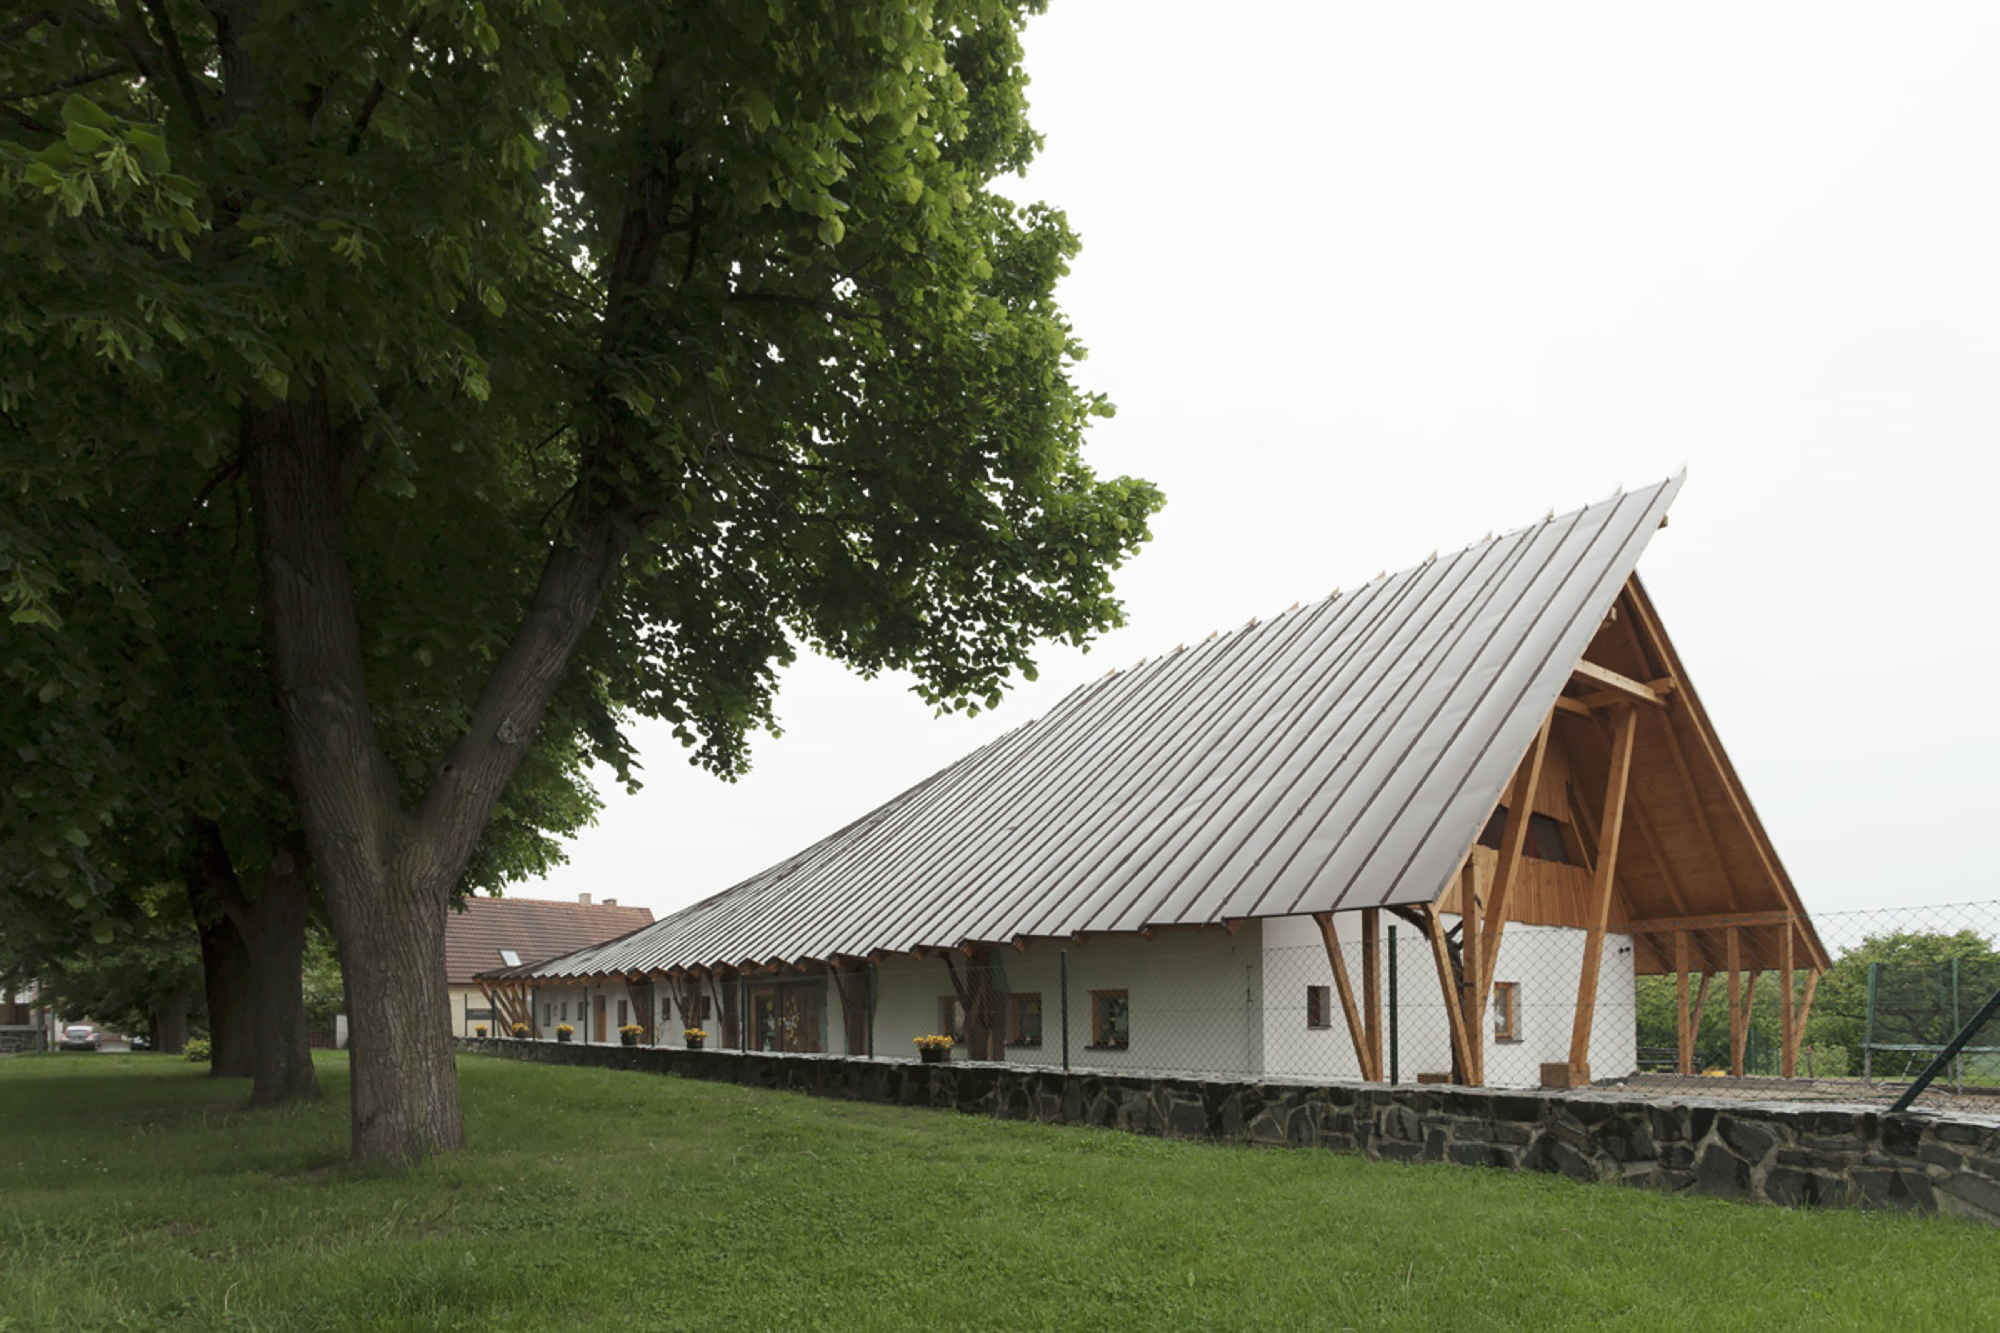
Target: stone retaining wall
x,y
1823,1156
18,1039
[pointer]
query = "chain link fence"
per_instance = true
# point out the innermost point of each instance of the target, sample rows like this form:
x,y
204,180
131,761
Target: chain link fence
x,y
1876,998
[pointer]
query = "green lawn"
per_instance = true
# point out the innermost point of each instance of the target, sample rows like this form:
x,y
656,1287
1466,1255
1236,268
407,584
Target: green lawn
x,y
136,1193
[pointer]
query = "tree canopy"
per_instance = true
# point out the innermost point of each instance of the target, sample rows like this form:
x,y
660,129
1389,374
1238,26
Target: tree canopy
x,y
560,362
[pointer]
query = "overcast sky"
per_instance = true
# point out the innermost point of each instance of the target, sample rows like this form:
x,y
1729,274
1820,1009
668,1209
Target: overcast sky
x,y
1366,281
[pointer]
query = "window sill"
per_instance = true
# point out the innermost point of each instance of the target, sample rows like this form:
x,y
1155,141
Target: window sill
x,y
1507,1041
1121,1046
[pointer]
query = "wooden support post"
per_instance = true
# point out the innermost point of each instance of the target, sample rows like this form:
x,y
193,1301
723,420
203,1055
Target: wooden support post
x,y
1371,989
1750,1004
1700,1005
1441,955
1624,723
1330,936
1735,1003
1805,1005
1684,1027
1470,952
1788,1032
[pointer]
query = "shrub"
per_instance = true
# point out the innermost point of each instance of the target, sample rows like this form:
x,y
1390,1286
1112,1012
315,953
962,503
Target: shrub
x,y
196,1051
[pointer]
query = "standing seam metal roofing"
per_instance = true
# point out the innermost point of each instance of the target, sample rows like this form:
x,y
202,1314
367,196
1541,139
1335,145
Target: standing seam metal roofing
x,y
1340,756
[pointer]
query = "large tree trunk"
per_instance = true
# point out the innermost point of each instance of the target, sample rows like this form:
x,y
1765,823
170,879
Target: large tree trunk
x,y
388,873
225,976
276,928
269,928
169,1021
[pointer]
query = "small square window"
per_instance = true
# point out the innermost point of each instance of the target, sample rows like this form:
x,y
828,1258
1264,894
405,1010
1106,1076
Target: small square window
x,y
1506,1011
1024,1019
1319,1006
1110,1020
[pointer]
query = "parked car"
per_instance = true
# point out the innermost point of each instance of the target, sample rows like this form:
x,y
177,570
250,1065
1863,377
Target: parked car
x,y
140,1044
80,1037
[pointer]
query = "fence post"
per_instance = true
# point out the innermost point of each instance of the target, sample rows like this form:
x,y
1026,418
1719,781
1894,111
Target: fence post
x,y
1868,1032
1958,1064
1062,957
1395,1060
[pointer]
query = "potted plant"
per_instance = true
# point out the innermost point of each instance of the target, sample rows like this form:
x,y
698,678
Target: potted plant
x,y
695,1038
564,1032
520,1032
479,1031
629,1034
934,1048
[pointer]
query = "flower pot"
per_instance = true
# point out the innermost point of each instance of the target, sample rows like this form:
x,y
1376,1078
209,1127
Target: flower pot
x,y
628,1039
562,1036
933,1055
695,1043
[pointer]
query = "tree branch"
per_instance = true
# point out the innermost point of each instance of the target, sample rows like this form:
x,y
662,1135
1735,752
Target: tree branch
x,y
89,76
374,97
175,57
26,121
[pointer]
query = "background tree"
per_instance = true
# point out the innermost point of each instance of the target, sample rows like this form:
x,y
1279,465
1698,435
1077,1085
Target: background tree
x,y
729,287
144,979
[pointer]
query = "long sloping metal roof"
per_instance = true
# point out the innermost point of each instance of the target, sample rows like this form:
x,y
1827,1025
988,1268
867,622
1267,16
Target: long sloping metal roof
x,y
1339,756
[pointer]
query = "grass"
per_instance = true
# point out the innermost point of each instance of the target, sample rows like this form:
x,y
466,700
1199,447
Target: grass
x,y
136,1193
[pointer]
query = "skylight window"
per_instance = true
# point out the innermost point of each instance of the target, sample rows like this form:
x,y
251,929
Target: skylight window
x,y
510,958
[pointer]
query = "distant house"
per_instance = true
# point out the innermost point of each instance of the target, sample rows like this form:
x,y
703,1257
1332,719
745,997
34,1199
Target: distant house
x,y
507,932
1495,759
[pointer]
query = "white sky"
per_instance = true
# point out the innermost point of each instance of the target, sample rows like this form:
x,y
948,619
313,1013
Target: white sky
x,y
1368,280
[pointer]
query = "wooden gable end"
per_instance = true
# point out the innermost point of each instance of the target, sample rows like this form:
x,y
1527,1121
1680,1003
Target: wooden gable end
x,y
1693,855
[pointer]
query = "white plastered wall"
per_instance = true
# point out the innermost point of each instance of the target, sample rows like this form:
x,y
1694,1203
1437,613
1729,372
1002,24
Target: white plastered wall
x,y
1544,961
1193,1000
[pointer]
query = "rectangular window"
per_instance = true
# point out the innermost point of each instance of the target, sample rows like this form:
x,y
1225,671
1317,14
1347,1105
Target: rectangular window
x,y
951,1018
1506,1011
1024,1019
545,1013
1319,1006
1110,1020
1543,843
622,1018
708,1006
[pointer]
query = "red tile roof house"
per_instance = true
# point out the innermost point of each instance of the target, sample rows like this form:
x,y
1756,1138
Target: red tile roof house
x,y
506,932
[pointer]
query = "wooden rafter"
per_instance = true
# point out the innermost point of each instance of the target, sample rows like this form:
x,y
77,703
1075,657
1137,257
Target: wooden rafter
x,y
1725,920
1646,627
1618,688
1623,727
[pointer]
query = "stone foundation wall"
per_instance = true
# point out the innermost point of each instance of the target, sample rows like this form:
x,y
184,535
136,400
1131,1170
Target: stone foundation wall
x,y
18,1040
1821,1156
